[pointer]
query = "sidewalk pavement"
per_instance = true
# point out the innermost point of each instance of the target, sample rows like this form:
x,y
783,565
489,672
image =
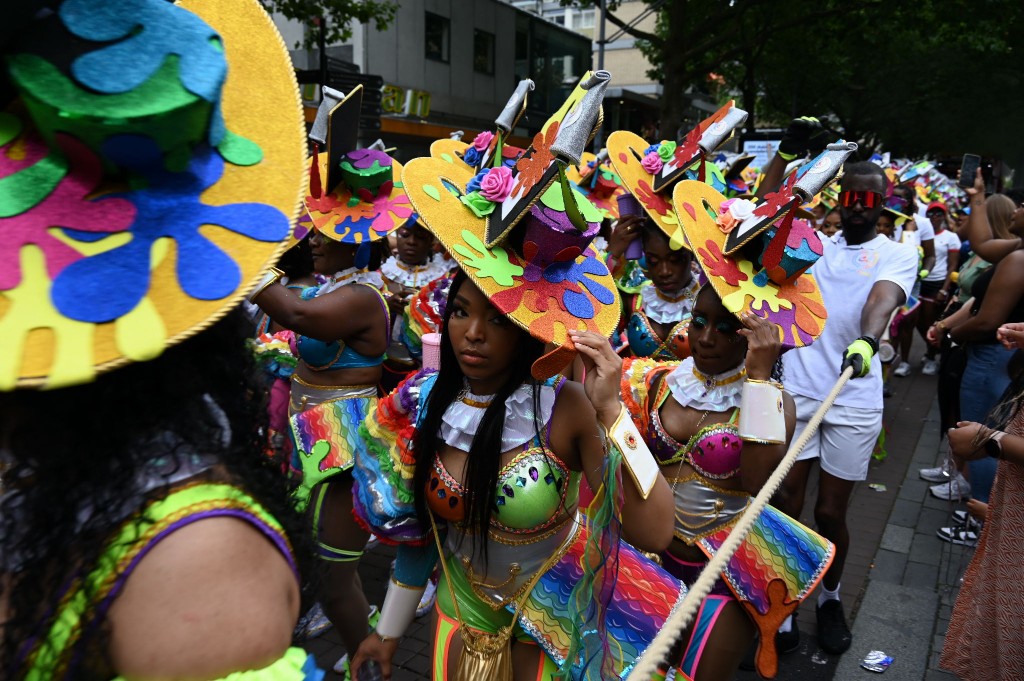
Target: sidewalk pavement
x,y
898,586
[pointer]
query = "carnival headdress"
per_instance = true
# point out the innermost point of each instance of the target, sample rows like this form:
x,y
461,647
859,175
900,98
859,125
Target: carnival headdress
x,y
355,195
522,234
764,273
144,190
649,171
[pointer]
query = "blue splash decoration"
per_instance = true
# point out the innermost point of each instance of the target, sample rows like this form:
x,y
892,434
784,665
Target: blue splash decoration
x,y
106,286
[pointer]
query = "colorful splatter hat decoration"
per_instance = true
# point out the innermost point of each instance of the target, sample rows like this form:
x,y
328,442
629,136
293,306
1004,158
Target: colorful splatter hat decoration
x,y
751,219
768,277
598,181
649,171
895,206
522,234
355,195
151,169
483,151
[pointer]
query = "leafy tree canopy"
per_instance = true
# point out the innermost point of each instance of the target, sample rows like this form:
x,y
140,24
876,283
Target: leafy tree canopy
x,y
914,76
338,16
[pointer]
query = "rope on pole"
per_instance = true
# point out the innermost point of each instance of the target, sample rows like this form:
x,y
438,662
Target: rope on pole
x,y
680,619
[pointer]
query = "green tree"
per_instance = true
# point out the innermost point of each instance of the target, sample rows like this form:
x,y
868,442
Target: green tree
x,y
693,39
336,16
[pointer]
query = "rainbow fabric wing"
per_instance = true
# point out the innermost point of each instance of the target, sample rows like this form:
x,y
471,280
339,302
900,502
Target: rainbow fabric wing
x,y
642,598
776,548
325,441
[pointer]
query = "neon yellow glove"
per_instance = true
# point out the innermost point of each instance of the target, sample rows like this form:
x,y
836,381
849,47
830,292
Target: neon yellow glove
x,y
858,355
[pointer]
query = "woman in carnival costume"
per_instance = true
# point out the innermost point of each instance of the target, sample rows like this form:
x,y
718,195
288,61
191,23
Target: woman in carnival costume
x,y
659,288
341,332
719,422
143,532
438,485
414,266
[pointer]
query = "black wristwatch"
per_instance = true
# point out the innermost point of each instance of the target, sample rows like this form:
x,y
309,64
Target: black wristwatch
x,y
872,341
993,446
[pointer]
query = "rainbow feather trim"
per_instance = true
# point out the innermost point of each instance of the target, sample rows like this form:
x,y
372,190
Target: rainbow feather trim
x,y
776,548
640,596
326,441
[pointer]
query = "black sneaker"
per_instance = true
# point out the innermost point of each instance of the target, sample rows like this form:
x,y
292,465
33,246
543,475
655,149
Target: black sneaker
x,y
788,641
833,635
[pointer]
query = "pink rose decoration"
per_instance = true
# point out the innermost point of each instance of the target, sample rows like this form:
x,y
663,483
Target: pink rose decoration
x,y
652,163
497,184
483,140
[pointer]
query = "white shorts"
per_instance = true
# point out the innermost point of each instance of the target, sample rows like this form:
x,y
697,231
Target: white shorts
x,y
843,442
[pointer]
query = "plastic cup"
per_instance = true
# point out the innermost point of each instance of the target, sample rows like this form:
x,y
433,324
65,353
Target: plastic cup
x,y
431,350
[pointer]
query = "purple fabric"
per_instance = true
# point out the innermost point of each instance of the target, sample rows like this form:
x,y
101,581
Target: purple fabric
x,y
364,158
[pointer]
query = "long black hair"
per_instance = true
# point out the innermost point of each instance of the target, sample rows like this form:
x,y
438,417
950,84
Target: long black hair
x,y
481,474
76,457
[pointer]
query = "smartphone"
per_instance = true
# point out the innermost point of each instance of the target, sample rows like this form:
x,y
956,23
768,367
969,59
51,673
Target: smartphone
x,y
968,169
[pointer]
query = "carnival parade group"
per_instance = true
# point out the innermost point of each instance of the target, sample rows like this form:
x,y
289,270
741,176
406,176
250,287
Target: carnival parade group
x,y
237,352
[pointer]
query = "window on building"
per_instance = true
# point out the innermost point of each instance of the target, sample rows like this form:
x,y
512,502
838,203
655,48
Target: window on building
x,y
483,52
583,19
437,37
559,19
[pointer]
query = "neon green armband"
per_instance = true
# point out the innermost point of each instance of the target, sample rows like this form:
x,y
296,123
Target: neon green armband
x,y
295,665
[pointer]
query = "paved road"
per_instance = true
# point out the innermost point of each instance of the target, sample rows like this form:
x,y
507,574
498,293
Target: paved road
x,y
899,582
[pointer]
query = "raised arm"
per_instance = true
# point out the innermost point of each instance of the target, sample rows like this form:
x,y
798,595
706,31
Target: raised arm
x,y
343,313
1003,294
646,523
978,230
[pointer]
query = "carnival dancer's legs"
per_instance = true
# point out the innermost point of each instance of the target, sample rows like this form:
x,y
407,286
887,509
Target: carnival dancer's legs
x,y
339,544
712,647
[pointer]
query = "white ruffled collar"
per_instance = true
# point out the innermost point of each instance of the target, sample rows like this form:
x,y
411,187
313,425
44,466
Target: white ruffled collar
x,y
462,418
691,388
413,276
352,275
664,310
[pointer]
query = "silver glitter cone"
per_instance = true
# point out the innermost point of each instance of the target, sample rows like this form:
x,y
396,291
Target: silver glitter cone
x,y
823,169
575,130
506,120
330,99
719,132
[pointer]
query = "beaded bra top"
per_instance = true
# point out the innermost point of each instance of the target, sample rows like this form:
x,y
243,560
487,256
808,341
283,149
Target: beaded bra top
x,y
713,451
533,489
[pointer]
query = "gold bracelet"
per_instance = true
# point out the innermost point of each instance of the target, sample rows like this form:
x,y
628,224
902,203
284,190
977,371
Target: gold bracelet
x,y
385,639
272,276
768,382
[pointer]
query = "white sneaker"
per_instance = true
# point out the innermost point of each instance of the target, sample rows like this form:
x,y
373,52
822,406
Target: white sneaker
x,y
956,489
313,623
930,367
937,474
427,599
902,370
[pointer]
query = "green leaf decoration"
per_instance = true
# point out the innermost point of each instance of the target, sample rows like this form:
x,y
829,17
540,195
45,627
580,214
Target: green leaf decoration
x,y
489,264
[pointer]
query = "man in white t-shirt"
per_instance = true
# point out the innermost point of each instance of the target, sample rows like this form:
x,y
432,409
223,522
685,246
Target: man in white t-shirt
x,y
863,277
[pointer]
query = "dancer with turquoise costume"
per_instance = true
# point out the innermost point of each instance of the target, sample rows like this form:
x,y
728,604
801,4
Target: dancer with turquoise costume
x,y
659,288
342,330
490,449
719,422
142,528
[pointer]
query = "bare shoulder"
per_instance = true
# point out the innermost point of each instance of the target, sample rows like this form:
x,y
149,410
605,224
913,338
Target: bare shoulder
x,y
211,598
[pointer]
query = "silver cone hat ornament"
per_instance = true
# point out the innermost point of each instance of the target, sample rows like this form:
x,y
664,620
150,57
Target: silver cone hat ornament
x,y
570,129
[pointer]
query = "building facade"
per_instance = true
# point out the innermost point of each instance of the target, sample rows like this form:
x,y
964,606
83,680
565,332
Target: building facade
x,y
451,65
